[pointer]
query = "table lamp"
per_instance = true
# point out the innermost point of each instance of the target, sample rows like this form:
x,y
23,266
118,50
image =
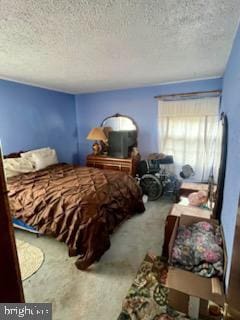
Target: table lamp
x,y
96,134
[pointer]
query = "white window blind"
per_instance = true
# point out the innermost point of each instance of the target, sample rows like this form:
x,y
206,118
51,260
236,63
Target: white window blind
x,y
189,130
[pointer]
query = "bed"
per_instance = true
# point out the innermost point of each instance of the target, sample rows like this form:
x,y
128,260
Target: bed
x,y
80,206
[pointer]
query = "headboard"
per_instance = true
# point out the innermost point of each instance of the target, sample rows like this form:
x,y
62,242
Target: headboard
x,y
13,155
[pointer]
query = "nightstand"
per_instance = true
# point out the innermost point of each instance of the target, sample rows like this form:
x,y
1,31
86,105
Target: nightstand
x,y
128,165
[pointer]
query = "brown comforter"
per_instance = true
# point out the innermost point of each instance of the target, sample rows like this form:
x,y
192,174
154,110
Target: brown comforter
x,y
78,205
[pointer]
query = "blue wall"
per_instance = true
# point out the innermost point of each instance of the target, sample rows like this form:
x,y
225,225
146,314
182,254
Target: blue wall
x,y
138,103
231,106
31,118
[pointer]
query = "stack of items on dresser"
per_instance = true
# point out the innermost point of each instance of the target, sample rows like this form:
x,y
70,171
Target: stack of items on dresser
x,y
194,247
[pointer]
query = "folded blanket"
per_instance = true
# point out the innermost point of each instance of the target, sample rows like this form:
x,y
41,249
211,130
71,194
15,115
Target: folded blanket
x,y
198,248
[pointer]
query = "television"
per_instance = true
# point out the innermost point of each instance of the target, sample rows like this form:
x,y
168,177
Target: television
x,y
121,143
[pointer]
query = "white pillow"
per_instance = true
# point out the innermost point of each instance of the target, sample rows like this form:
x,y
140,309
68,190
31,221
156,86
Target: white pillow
x,y
43,160
28,155
16,166
41,150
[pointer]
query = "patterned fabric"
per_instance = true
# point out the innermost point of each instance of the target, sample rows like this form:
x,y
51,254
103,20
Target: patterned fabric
x,y
198,248
147,298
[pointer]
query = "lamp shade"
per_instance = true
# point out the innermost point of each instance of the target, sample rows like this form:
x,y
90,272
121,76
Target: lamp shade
x,y
97,134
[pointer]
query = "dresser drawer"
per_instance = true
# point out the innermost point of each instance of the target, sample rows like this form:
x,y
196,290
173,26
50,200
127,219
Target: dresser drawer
x,y
117,164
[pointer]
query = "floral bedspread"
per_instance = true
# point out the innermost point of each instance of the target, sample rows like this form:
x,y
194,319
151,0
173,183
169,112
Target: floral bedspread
x,y
198,248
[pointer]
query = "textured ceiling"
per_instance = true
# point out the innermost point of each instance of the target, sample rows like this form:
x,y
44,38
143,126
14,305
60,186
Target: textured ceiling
x,y
93,45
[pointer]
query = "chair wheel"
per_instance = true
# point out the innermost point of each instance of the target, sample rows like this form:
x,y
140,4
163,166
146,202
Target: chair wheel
x,y
151,186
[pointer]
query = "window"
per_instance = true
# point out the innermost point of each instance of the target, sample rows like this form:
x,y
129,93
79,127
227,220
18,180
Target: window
x,y
189,130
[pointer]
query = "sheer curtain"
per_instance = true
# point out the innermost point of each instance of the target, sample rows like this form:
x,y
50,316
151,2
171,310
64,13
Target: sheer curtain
x,y
189,130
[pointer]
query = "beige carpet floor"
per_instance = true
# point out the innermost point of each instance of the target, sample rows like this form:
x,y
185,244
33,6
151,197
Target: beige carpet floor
x,y
96,294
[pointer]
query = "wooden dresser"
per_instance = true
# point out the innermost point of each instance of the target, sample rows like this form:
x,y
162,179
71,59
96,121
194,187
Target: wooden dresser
x,y
128,165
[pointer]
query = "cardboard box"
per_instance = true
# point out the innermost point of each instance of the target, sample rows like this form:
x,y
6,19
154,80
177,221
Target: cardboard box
x,y
189,292
186,220
178,210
